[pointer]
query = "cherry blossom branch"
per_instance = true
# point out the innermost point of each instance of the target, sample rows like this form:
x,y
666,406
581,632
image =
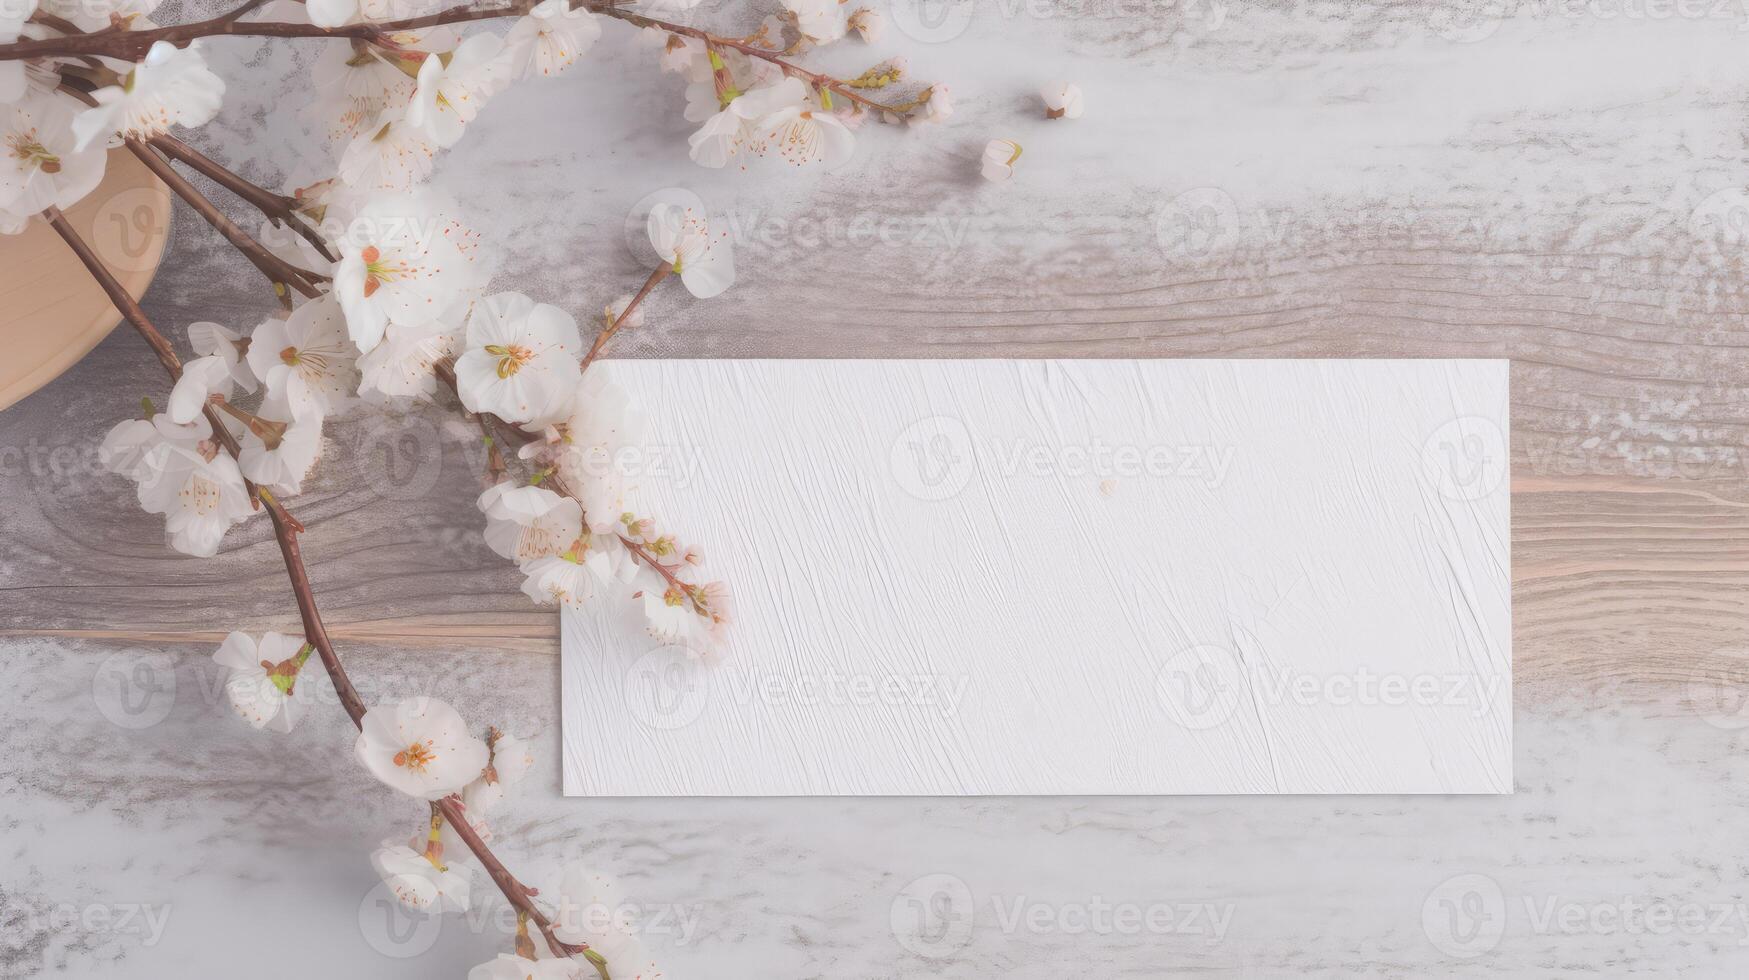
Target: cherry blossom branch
x,y
520,896
818,79
445,372
276,207
285,531
133,45
608,331
277,270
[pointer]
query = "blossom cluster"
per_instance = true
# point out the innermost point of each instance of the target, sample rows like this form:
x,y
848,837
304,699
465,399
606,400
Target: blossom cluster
x,y
386,301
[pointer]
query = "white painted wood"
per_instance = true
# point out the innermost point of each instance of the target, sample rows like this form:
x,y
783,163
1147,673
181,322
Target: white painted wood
x,y
1066,577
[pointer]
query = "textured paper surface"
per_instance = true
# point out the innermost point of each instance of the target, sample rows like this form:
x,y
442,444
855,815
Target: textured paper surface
x,y
1065,577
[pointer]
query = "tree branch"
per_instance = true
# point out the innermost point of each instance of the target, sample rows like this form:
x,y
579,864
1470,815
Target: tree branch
x,y
278,271
276,207
819,79
133,45
607,332
285,531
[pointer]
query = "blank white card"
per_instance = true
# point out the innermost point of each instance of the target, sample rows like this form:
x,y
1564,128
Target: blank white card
x,y
1042,577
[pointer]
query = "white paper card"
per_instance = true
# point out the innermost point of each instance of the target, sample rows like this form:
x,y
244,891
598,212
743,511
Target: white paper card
x,y
1042,577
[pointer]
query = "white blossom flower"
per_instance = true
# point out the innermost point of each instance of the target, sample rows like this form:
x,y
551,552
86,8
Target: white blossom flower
x,y
1062,100
999,157
571,578
520,361
526,523
216,340
804,132
312,345
550,39
591,454
820,21
403,365
40,163
512,759
172,86
420,883
450,90
670,614
587,905
937,106
403,259
684,55
13,14
201,378
421,747
682,237
508,966
742,122
128,449
262,686
389,155
355,81
869,23
184,475
591,908
282,445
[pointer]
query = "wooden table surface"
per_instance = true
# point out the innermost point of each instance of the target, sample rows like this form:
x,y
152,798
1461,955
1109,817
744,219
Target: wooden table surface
x,y
1565,189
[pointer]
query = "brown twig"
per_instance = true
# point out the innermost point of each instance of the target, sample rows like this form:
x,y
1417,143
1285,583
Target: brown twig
x,y
446,374
519,895
133,45
277,270
285,532
608,331
276,207
818,79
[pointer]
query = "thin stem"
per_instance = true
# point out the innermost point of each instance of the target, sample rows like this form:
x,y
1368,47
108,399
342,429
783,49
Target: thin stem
x,y
278,271
132,45
607,332
285,532
446,374
277,207
285,527
519,895
753,51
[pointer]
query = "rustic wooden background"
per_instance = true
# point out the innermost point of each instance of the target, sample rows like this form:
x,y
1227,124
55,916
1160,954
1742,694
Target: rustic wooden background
x,y
1561,187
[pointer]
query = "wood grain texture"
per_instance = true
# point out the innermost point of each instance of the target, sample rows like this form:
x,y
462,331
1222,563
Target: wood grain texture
x,y
1559,192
